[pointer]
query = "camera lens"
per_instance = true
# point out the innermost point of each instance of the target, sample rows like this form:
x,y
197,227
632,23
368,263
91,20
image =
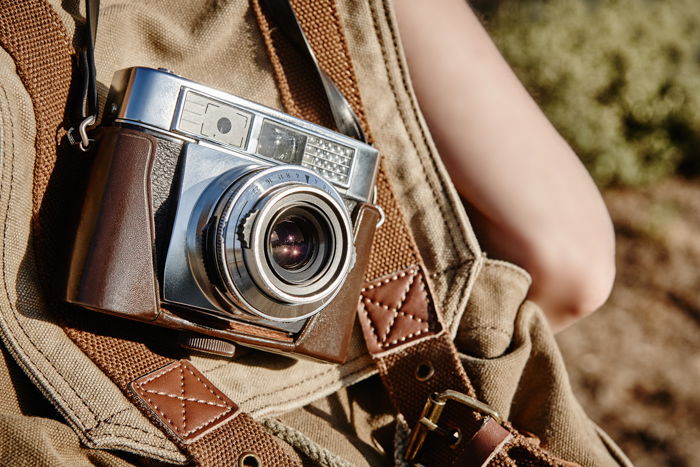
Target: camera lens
x,y
278,244
293,242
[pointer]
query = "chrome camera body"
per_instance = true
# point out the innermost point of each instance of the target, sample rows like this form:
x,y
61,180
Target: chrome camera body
x,y
254,210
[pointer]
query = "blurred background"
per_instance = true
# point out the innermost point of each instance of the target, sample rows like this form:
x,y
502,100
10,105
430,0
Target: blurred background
x,y
620,79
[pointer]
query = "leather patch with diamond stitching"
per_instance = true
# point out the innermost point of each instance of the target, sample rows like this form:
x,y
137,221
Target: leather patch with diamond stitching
x,y
184,400
397,309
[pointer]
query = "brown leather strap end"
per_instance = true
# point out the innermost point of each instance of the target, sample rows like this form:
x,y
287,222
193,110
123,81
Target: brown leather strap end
x,y
463,449
485,444
396,310
184,400
203,420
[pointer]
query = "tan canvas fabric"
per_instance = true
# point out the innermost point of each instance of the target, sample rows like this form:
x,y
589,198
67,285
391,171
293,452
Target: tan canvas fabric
x,y
515,365
512,359
32,430
511,352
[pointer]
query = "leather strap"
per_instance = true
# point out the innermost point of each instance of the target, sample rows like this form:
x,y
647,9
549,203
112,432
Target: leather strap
x,y
282,13
200,419
415,356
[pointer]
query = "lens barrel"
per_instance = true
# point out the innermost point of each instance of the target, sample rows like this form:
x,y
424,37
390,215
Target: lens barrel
x,y
281,242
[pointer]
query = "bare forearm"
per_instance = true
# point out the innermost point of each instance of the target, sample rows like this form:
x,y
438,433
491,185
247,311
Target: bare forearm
x,y
532,201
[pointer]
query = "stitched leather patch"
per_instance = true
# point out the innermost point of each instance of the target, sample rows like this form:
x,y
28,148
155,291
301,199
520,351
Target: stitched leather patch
x,y
184,400
396,310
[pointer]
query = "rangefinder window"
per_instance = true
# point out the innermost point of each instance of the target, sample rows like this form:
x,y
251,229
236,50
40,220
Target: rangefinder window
x,y
281,143
327,158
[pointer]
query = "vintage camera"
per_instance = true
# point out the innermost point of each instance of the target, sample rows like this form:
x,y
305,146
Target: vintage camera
x,y
215,215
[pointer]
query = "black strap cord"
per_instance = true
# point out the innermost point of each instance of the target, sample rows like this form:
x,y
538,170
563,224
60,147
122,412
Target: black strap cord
x,y
88,83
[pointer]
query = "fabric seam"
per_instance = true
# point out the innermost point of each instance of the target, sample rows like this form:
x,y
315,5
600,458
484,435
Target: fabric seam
x,y
452,319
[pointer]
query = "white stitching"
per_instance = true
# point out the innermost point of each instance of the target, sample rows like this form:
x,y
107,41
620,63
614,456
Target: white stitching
x,y
402,300
206,386
407,336
414,272
184,434
183,398
208,422
159,373
385,281
138,386
395,310
182,393
371,325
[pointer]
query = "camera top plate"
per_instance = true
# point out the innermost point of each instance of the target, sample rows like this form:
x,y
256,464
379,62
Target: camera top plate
x,y
167,103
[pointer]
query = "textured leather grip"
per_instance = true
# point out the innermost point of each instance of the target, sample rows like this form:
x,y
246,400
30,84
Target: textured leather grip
x,y
112,269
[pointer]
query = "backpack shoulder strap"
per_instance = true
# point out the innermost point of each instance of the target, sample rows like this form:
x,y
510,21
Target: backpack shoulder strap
x,y
415,355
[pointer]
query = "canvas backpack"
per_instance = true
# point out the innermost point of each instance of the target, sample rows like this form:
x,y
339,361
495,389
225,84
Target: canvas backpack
x,y
463,352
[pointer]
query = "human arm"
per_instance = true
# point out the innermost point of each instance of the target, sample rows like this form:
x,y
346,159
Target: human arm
x,y
529,197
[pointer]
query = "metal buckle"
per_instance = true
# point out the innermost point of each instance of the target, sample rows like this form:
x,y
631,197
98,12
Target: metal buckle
x,y
428,421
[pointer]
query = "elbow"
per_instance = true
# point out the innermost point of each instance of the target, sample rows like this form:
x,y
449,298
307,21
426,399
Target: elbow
x,y
573,281
594,281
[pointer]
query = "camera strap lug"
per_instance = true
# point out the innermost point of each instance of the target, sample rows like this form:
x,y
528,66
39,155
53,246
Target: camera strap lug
x,y
84,142
375,201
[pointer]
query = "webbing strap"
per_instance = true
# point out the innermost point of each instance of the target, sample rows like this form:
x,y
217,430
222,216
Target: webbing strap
x,y
414,354
33,35
201,420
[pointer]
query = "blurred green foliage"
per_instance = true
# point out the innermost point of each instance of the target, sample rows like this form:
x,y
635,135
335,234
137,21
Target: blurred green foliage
x,y
620,79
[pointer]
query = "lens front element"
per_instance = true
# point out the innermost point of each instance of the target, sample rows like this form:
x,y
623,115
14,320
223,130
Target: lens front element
x,y
292,243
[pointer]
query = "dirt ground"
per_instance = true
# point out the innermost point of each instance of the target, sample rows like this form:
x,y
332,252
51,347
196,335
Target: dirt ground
x,y
635,364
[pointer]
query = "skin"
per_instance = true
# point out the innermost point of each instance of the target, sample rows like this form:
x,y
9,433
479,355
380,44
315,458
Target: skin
x,y
527,194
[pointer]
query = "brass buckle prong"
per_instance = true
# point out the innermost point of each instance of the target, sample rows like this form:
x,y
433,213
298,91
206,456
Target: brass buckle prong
x,y
430,417
470,402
